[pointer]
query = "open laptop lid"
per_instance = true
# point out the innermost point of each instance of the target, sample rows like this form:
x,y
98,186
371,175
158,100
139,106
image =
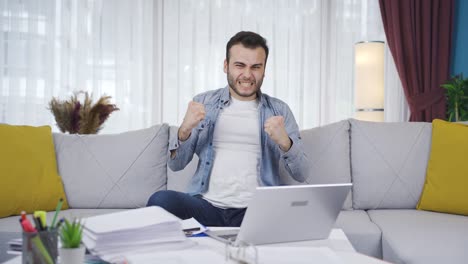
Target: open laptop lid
x,y
292,213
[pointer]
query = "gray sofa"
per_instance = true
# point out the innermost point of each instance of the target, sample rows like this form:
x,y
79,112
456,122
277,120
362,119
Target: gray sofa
x,y
386,162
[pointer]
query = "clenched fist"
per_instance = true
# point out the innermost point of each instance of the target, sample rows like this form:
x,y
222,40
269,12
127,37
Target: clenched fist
x,y
194,115
274,127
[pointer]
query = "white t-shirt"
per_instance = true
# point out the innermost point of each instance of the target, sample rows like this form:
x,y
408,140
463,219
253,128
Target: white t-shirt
x,y
236,145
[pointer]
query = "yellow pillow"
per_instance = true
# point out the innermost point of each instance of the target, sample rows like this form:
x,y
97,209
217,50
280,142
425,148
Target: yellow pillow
x,y
446,186
28,170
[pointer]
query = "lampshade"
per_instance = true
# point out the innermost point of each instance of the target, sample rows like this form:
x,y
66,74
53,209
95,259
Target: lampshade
x,y
369,80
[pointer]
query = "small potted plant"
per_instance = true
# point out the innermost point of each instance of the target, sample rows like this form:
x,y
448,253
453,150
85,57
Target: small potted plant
x,y
457,98
72,250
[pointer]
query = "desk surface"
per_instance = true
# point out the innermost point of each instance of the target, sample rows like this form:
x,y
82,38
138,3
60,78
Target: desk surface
x,y
337,241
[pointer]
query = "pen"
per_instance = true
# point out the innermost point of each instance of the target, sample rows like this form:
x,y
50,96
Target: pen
x,y
38,223
57,210
27,226
42,217
191,229
60,222
23,215
40,246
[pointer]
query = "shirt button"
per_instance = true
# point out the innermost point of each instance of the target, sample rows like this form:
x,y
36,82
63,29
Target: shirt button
x,y
202,183
211,143
202,126
207,163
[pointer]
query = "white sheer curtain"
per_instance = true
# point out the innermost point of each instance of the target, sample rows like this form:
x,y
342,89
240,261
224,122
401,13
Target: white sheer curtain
x,y
152,57
396,107
311,52
54,47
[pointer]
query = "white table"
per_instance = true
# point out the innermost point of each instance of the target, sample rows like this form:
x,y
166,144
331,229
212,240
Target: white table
x,y
337,242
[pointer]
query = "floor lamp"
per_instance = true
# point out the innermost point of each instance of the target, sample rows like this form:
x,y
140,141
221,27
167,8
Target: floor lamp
x,y
369,80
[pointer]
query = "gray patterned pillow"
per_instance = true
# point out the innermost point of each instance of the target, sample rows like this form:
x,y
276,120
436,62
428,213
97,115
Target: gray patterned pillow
x,y
389,163
327,148
113,170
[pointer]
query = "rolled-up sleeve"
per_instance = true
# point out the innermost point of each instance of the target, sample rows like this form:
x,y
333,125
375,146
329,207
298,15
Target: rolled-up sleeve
x,y
184,150
295,159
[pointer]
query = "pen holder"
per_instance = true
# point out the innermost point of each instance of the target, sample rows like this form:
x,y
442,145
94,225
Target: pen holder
x,y
35,245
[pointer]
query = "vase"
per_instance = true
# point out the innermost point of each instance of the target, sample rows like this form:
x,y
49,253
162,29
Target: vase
x,y
72,255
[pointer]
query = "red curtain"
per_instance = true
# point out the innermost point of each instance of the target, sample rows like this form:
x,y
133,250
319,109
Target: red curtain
x,y
419,35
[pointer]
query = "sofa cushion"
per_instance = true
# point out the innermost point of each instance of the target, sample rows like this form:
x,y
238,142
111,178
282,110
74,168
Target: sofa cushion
x,y
446,180
413,236
115,170
327,148
28,170
388,163
364,235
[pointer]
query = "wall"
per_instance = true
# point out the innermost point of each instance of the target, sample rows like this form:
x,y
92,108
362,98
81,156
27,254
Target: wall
x,y
460,39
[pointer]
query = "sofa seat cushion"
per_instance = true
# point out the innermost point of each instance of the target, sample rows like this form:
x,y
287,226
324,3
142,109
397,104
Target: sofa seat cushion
x,y
388,162
364,235
113,170
11,224
413,236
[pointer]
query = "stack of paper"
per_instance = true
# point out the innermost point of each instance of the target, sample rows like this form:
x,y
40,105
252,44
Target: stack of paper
x,y
118,234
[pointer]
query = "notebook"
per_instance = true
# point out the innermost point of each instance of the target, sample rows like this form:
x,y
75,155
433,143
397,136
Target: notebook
x,y
288,213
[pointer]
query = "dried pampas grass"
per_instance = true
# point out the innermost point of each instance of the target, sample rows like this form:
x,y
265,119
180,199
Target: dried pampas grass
x,y
81,117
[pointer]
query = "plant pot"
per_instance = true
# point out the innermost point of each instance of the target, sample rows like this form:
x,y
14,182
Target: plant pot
x,y
72,255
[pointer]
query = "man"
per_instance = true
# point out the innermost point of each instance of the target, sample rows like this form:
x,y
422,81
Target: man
x,y
239,134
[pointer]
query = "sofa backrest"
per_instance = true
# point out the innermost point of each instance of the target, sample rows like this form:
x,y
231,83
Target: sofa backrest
x,y
115,170
327,148
388,163
385,161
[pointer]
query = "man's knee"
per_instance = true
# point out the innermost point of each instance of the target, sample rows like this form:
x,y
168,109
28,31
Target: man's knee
x,y
171,201
163,198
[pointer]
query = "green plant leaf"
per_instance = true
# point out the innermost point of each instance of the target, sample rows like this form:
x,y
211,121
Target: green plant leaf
x,y
456,91
71,234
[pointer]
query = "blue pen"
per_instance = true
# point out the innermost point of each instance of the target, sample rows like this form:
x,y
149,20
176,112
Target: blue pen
x,y
60,223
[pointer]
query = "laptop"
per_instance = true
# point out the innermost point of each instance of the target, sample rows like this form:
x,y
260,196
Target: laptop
x,y
288,213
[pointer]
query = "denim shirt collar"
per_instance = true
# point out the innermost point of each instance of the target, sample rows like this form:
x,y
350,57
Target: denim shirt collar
x,y
225,97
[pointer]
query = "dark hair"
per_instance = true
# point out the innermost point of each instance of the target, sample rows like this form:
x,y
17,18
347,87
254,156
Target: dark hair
x,y
249,40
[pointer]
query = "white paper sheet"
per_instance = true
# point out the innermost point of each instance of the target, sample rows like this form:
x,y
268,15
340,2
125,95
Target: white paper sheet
x,y
128,220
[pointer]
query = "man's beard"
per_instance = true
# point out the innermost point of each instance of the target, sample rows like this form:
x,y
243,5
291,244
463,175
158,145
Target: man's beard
x,y
233,84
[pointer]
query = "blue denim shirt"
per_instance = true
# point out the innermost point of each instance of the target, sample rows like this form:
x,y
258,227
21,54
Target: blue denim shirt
x,y
200,142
